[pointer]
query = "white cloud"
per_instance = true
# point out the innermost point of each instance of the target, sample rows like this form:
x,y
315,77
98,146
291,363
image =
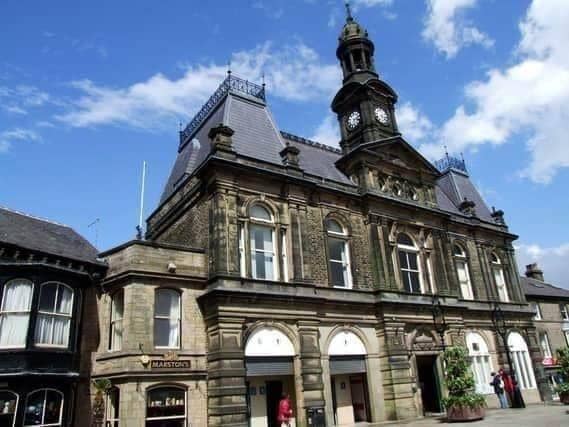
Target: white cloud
x,y
328,132
529,99
413,124
151,103
370,3
447,29
20,98
554,261
8,137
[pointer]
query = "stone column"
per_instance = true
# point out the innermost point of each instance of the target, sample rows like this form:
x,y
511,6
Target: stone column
x,y
535,355
376,253
227,404
397,382
386,252
310,366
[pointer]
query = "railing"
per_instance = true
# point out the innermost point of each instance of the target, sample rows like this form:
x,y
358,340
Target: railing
x,y
231,83
449,162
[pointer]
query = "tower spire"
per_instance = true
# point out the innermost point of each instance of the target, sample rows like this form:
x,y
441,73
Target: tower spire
x,y
349,16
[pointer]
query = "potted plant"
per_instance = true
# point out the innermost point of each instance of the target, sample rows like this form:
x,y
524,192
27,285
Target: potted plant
x,y
101,387
563,388
462,403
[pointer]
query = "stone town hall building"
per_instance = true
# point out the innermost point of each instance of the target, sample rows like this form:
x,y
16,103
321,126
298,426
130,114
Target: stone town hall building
x,y
276,264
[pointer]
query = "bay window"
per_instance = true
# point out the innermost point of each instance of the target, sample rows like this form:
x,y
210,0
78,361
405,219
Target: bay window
x,y
167,316
338,254
112,408
410,270
15,313
44,408
116,330
461,263
8,408
53,321
499,278
166,406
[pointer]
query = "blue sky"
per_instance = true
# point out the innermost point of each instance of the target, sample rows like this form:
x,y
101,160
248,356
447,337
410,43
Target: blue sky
x,y
88,90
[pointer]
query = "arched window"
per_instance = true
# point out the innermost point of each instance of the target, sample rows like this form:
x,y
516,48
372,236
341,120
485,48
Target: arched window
x,y
499,278
112,408
166,406
53,323
8,408
116,330
522,362
480,362
338,254
262,241
15,313
461,262
167,314
44,408
409,264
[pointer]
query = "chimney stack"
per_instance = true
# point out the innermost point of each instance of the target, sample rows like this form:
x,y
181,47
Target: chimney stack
x,y
534,272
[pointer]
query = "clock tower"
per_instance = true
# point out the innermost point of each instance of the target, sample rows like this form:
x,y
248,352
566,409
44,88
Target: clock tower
x,y
365,104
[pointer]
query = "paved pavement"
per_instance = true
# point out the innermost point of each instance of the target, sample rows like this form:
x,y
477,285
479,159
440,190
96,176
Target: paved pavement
x,y
554,415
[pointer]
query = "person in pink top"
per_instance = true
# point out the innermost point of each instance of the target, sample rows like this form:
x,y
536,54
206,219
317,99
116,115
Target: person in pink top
x,y
285,411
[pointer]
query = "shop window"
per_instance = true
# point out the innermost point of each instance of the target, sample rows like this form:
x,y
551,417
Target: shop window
x,y
166,407
15,313
461,263
167,313
338,255
112,408
409,264
44,408
116,331
8,408
262,241
499,278
54,315
480,362
522,363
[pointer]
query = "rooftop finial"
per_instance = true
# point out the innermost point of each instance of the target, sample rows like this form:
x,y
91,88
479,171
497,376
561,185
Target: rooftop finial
x,y
229,67
349,16
263,79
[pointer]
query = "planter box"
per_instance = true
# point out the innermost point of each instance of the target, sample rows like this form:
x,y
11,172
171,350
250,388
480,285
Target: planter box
x,y
459,413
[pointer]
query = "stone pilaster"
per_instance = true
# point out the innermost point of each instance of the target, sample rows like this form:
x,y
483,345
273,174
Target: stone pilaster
x,y
376,253
310,364
536,357
227,404
387,248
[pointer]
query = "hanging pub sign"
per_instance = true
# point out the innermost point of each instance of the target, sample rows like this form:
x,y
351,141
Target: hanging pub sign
x,y
170,361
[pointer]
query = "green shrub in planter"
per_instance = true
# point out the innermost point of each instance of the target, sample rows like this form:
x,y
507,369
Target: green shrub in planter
x,y
460,381
563,361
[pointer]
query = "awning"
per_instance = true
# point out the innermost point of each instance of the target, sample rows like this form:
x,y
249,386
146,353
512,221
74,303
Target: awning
x,y
265,366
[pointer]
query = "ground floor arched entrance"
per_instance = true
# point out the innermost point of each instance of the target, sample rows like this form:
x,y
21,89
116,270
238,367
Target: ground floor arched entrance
x,y
269,363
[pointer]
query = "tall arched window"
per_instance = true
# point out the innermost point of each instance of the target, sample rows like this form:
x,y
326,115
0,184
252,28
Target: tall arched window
x,y
44,408
53,323
262,242
338,254
116,330
480,362
462,271
409,264
167,316
499,278
8,408
522,362
15,313
166,406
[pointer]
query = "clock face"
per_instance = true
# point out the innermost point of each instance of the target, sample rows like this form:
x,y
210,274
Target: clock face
x,y
381,116
353,120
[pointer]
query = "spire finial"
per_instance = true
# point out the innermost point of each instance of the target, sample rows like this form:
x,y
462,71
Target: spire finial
x,y
263,79
229,67
349,16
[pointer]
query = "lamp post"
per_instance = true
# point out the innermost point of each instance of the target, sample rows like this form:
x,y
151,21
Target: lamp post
x,y
439,320
499,321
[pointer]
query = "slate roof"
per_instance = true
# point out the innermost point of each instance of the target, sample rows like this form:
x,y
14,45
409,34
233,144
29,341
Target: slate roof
x,y
533,287
44,236
257,136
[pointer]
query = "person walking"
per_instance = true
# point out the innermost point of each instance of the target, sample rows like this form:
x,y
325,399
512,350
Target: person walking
x,y
498,385
285,411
